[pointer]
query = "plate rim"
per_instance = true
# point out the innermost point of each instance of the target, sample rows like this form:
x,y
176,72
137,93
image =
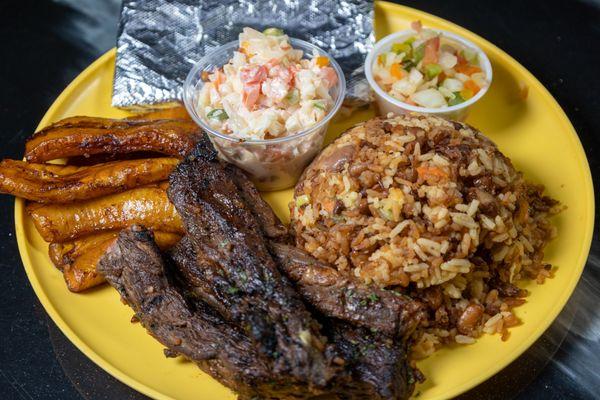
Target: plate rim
x,y
386,7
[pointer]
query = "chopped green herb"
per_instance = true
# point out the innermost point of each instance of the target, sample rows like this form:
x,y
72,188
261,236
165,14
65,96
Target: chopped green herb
x,y
410,40
293,97
408,64
273,32
363,302
302,200
456,100
373,297
419,53
218,114
319,105
350,293
432,70
232,290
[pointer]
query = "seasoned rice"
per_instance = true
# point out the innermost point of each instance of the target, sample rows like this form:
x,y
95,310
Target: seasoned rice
x,y
431,208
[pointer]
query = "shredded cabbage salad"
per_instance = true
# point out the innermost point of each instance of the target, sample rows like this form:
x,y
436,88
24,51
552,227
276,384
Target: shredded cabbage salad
x,y
429,70
267,90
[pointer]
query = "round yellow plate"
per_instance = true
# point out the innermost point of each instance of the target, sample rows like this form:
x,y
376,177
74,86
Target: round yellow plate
x,y
534,133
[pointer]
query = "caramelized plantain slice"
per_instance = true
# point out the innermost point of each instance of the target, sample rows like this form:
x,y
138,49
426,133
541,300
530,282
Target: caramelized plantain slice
x,y
86,136
148,206
47,183
78,259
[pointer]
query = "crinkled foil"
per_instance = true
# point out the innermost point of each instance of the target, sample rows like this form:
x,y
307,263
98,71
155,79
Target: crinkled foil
x,y
159,40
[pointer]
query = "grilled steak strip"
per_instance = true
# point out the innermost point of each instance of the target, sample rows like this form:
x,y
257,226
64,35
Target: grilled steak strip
x,y
378,364
134,266
259,300
201,276
337,296
377,370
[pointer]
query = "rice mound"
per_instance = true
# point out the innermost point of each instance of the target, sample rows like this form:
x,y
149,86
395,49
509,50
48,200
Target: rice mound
x,y
433,209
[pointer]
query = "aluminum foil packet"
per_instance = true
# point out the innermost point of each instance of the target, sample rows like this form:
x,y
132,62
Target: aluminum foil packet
x,y
159,41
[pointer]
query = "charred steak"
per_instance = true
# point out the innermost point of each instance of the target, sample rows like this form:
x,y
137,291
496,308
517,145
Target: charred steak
x,y
337,296
231,297
134,266
242,276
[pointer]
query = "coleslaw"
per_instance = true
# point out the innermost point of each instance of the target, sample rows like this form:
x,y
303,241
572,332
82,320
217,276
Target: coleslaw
x,y
267,90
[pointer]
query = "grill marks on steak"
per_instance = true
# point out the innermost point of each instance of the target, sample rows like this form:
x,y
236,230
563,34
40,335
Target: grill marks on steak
x,y
253,295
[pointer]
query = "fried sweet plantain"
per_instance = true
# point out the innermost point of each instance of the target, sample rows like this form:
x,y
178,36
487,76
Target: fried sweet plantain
x,y
148,206
47,183
86,136
78,259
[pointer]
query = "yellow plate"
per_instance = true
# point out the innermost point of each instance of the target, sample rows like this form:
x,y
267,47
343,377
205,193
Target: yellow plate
x,y
534,133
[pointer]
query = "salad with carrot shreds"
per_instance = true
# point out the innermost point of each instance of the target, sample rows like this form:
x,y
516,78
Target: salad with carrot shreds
x,y
429,70
267,90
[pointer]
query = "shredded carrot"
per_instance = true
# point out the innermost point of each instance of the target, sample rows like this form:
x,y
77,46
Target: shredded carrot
x,y
397,71
424,171
472,86
467,69
322,61
328,205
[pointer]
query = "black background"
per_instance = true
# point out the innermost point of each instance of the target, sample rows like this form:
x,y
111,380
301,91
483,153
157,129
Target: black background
x,y
45,44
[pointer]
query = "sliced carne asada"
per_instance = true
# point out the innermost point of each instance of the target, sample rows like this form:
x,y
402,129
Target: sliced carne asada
x,y
337,296
135,267
257,298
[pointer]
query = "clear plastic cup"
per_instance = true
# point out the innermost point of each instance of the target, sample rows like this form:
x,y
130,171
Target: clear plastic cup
x,y
389,104
272,164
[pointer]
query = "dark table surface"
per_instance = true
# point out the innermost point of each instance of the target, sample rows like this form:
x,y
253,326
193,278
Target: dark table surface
x,y
45,44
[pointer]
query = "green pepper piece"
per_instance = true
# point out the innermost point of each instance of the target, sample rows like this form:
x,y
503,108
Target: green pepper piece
x,y
432,70
408,64
273,32
293,96
456,100
418,53
402,48
218,114
319,105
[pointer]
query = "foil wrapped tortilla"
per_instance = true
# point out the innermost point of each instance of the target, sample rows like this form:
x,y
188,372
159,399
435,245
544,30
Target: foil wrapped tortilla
x,y
159,41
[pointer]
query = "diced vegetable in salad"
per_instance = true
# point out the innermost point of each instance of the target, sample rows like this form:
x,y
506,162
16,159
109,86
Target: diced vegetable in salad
x,y
267,90
429,70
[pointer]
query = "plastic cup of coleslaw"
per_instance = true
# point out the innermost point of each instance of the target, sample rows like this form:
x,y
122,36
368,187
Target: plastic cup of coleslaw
x,y
272,164
389,104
